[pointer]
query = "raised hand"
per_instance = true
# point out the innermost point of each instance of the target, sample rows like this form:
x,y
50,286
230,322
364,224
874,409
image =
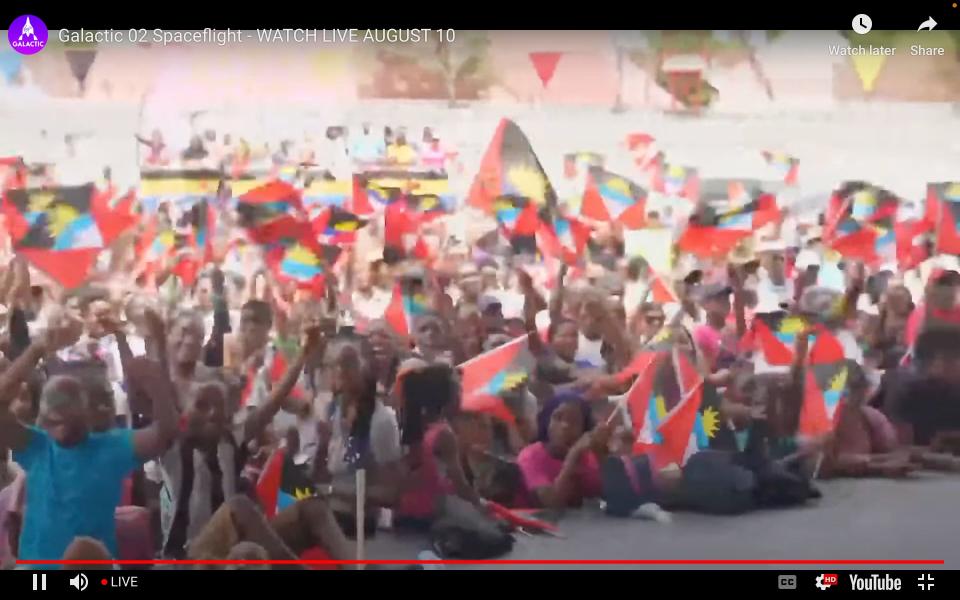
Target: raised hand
x,y
154,323
312,335
63,331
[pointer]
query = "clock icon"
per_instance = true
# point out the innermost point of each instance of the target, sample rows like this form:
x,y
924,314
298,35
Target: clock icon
x,y
862,24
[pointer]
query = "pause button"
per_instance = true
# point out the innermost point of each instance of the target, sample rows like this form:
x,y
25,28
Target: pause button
x,y
40,582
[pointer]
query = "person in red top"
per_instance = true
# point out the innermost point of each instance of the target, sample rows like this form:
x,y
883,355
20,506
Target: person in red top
x,y
940,307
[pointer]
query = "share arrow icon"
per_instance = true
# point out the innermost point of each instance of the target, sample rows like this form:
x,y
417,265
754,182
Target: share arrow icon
x,y
929,24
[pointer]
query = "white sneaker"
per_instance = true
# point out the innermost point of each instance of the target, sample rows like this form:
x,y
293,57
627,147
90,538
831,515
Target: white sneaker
x,y
652,512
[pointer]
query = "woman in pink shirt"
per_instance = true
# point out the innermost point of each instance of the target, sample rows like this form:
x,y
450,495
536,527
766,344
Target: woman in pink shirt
x,y
563,468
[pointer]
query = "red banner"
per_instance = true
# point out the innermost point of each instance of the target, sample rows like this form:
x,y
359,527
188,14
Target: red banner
x,y
545,64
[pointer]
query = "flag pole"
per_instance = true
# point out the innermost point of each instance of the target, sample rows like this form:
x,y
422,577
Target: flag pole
x,y
360,520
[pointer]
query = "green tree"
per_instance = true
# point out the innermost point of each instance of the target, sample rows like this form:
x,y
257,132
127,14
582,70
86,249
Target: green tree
x,y
465,57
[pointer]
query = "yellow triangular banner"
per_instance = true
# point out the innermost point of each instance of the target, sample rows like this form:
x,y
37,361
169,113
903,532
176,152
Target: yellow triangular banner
x,y
868,68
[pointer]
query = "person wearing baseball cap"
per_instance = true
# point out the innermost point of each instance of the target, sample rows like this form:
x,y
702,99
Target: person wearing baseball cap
x,y
714,337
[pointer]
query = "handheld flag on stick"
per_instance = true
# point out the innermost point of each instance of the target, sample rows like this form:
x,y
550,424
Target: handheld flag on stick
x,y
511,169
860,222
203,220
712,233
566,239
787,167
302,264
403,309
660,292
282,483
612,198
56,229
575,161
824,387
943,216
775,334
272,213
676,180
671,437
335,225
13,172
488,376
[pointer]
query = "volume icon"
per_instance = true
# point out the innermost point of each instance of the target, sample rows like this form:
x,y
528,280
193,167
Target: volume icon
x,y
79,582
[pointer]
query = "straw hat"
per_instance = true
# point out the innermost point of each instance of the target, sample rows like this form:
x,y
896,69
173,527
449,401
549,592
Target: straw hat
x,y
743,253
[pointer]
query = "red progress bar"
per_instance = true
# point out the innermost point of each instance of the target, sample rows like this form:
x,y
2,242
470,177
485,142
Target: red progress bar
x,y
480,562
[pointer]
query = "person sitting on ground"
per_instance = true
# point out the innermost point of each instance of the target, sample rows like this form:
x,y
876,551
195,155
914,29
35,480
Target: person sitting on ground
x,y
358,432
864,443
925,402
204,513
562,468
495,477
430,402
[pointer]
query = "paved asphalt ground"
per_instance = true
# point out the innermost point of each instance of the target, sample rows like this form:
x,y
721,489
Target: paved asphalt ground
x,y
914,519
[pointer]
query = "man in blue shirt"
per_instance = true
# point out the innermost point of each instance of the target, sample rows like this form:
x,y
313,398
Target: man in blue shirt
x,y
368,148
74,478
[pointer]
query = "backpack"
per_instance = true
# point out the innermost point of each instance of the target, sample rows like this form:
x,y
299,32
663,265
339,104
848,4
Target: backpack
x,y
462,531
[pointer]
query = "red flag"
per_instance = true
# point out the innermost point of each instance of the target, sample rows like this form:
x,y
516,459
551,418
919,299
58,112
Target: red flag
x,y
487,376
116,220
775,334
360,200
660,292
788,167
273,213
943,213
13,173
911,254
826,348
510,169
639,398
824,388
268,486
403,309
278,368
566,239
676,431
186,268
610,197
545,63
57,229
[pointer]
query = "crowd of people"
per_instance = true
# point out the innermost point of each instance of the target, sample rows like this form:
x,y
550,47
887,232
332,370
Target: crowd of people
x,y
139,416
334,152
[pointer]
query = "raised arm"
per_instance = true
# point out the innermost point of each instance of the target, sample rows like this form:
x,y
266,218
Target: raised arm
x,y
214,350
556,298
736,275
312,342
152,378
62,332
533,303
